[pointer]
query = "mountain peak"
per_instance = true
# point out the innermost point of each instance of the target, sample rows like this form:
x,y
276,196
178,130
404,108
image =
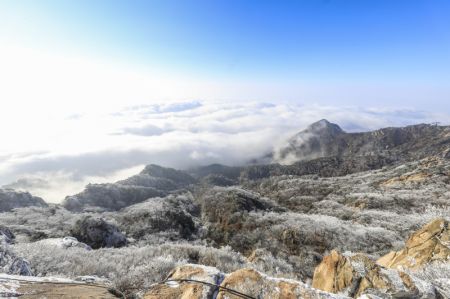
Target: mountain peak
x,y
323,125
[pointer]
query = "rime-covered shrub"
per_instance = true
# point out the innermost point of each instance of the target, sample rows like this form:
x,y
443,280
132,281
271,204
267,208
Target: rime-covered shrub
x,y
134,267
161,219
36,223
109,197
438,274
11,199
179,177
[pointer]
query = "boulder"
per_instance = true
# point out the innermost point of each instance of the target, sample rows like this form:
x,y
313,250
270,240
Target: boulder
x,y
243,283
429,244
64,243
6,235
10,263
257,285
97,233
357,275
176,288
20,266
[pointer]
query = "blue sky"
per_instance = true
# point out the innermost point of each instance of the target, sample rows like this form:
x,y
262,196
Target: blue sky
x,y
399,49
91,91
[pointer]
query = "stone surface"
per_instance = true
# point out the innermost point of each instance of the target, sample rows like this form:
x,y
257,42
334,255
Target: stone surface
x,y
97,233
186,290
257,285
6,235
12,286
357,275
245,281
430,243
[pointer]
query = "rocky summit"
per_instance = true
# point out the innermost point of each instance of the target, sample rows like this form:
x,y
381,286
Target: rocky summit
x,y
330,215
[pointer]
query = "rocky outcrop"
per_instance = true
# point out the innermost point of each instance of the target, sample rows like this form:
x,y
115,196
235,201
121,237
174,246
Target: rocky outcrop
x,y
6,235
97,233
10,199
356,275
257,285
185,282
181,283
429,244
10,263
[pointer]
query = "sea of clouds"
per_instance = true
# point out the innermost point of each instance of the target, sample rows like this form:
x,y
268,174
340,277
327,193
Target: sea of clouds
x,y
56,156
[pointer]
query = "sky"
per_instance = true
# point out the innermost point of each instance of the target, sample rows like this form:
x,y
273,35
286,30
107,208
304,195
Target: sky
x,y
90,91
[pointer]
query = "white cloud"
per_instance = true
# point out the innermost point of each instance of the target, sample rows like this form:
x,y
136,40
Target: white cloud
x,y
70,151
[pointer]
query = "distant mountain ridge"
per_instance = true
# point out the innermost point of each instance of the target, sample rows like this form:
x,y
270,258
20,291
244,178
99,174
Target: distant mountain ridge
x,y
325,139
322,149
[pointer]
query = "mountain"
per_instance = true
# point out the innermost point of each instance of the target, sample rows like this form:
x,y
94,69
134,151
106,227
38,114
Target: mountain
x,y
332,220
10,199
153,181
325,139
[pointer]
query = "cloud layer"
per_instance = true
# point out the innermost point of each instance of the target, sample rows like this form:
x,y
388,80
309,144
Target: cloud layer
x,y
57,157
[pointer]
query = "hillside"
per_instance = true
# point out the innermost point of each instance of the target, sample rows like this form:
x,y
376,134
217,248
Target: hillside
x,y
347,199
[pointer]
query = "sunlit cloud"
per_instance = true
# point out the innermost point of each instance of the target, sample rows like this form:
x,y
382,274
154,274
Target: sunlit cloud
x,y
103,146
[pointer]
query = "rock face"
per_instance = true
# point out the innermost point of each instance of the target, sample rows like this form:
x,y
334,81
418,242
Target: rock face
x,y
97,233
10,263
6,235
10,199
356,274
187,290
228,286
429,244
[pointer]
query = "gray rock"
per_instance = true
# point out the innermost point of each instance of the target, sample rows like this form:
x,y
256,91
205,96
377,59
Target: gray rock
x,y
20,266
97,233
6,234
